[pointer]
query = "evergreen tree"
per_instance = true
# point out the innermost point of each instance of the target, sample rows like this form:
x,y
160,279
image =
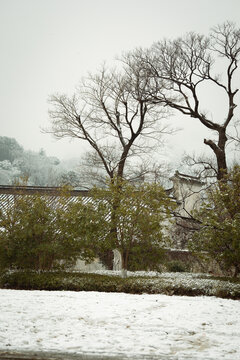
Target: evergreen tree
x,y
219,235
39,233
136,219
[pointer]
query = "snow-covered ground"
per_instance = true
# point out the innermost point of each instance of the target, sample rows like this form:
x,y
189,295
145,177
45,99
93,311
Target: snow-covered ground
x,y
117,323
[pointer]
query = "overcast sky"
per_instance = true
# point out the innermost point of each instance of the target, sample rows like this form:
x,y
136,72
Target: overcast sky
x,y
48,45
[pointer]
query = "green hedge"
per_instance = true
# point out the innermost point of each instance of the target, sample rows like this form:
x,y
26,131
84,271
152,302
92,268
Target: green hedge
x,y
164,284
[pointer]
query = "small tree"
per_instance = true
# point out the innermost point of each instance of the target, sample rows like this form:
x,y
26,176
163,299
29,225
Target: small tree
x,y
138,215
27,234
83,223
219,236
35,233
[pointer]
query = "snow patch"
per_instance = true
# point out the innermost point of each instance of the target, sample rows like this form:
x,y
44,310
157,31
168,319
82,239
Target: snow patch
x,y
111,323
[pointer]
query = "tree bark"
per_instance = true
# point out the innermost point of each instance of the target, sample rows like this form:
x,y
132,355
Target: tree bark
x,y
124,254
219,150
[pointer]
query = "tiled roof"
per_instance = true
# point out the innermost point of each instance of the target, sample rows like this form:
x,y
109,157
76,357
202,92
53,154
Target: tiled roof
x,y
9,193
187,178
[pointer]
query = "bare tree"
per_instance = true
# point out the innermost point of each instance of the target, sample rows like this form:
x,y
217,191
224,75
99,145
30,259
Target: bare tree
x,y
202,166
179,71
111,112
140,169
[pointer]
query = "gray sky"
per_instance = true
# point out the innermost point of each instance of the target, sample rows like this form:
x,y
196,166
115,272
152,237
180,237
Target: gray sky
x,y
48,45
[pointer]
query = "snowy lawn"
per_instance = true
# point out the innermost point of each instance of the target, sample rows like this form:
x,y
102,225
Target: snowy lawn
x,y
118,323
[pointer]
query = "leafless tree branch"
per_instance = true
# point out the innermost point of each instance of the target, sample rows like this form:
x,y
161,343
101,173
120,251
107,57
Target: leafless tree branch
x,y
178,69
109,111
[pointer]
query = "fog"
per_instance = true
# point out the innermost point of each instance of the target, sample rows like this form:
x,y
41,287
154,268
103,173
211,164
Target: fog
x,y
47,46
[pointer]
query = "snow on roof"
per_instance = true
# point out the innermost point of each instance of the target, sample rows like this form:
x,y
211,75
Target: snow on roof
x,y
186,178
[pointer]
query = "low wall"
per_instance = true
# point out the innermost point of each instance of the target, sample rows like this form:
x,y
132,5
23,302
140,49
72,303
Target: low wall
x,y
193,263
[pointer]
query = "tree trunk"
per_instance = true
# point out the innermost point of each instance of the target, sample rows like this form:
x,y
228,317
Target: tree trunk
x,y
124,273
236,270
221,164
124,254
219,150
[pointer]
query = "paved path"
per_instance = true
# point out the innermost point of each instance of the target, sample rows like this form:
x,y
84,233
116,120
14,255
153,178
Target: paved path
x,y
35,355
12,355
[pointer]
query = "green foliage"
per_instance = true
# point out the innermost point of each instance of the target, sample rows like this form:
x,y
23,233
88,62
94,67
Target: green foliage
x,y
219,235
181,284
83,223
42,234
71,178
176,266
136,217
38,234
27,230
148,256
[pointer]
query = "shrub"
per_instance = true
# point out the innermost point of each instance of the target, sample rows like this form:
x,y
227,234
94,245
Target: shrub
x,y
169,284
176,266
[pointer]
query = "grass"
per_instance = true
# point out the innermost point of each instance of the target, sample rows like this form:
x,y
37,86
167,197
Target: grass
x,y
137,283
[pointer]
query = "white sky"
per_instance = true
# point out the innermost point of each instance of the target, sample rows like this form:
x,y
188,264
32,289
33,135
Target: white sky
x,y
48,45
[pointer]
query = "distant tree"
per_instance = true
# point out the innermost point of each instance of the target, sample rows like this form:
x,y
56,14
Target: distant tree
x,y
139,220
70,178
9,149
9,173
181,70
219,234
38,168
